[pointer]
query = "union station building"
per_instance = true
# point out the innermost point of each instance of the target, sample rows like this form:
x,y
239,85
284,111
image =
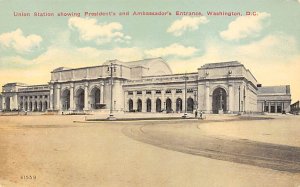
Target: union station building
x,y
148,86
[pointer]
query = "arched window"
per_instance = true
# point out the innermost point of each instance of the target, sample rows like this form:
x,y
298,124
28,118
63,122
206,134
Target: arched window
x,y
80,99
158,105
178,105
65,99
139,105
148,105
130,105
95,98
190,105
219,102
169,105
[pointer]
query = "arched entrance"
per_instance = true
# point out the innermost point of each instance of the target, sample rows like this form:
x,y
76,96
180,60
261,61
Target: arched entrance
x,y
158,105
178,105
65,99
26,106
35,106
40,106
130,105
80,99
190,105
95,98
30,106
21,106
148,105
7,103
45,105
219,101
169,105
139,105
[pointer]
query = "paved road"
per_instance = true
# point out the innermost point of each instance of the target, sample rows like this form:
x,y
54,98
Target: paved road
x,y
189,139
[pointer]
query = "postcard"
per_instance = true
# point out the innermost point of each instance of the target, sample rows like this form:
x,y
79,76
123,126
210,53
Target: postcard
x,y
149,93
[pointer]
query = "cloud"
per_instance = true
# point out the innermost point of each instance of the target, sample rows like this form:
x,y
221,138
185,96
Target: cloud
x,y
273,60
186,23
17,41
172,50
90,30
274,46
243,27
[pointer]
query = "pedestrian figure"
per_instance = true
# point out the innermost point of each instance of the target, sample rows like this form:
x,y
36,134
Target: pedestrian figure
x,y
201,113
196,113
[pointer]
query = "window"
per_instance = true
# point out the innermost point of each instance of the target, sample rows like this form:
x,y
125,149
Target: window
x,y
148,92
130,93
158,91
178,91
139,92
190,90
168,91
46,96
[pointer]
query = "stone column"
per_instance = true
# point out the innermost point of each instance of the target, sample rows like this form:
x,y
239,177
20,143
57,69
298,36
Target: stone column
x,y
134,101
86,97
102,93
207,104
144,101
3,103
23,107
269,107
153,102
173,100
275,107
15,102
72,96
28,103
263,106
51,98
32,104
231,99
163,100
57,95
42,100
38,105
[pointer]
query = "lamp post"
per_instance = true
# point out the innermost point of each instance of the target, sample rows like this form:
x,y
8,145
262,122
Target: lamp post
x,y
111,68
185,103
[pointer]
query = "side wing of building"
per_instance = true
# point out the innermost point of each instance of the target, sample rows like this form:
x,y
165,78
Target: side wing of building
x,y
274,99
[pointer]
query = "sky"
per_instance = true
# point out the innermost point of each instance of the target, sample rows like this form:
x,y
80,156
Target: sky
x,y
266,41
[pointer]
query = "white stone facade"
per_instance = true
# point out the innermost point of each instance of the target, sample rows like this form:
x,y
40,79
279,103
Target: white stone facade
x,y
140,86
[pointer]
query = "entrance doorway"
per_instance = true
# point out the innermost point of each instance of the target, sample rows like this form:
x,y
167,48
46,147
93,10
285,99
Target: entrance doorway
x,y
219,101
